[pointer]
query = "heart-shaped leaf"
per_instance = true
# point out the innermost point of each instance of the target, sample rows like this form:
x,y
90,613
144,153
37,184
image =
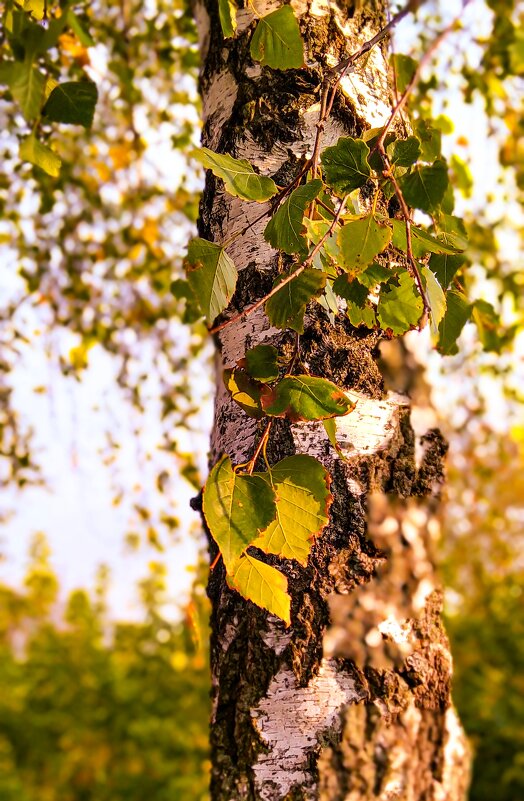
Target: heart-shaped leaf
x,y
457,314
237,507
244,391
301,485
27,86
400,305
305,397
286,308
277,42
262,362
435,297
72,102
42,156
360,241
404,152
424,188
346,165
285,229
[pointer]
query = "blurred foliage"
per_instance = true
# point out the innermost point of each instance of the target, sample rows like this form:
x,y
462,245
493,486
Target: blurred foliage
x,y
89,256
484,574
484,67
96,711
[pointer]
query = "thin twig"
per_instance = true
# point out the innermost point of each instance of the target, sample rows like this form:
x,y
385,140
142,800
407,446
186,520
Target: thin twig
x,y
347,63
261,446
215,561
414,79
388,173
329,89
395,84
296,351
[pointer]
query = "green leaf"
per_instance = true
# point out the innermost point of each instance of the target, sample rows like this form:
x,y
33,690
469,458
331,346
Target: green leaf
x,y
425,187
262,362
286,308
212,276
277,42
285,229
400,306
346,165
42,156
457,314
227,11
404,152
330,427
405,67
304,397
301,486
329,301
374,275
316,230
430,139
421,241
360,241
238,175
371,138
452,231
27,87
435,297
264,585
236,507
244,391
72,102
445,267
358,310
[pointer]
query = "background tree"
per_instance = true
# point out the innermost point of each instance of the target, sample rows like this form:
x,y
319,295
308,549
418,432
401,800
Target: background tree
x,y
96,710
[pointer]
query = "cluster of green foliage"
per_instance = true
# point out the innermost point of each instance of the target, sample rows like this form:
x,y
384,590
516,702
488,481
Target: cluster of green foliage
x,y
91,710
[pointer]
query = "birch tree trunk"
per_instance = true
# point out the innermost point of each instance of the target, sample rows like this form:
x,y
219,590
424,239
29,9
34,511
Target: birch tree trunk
x,y
351,702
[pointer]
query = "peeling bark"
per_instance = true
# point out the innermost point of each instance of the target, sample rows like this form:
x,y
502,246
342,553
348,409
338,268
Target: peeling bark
x,y
352,701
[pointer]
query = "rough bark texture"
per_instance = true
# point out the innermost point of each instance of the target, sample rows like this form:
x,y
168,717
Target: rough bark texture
x,y
352,701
